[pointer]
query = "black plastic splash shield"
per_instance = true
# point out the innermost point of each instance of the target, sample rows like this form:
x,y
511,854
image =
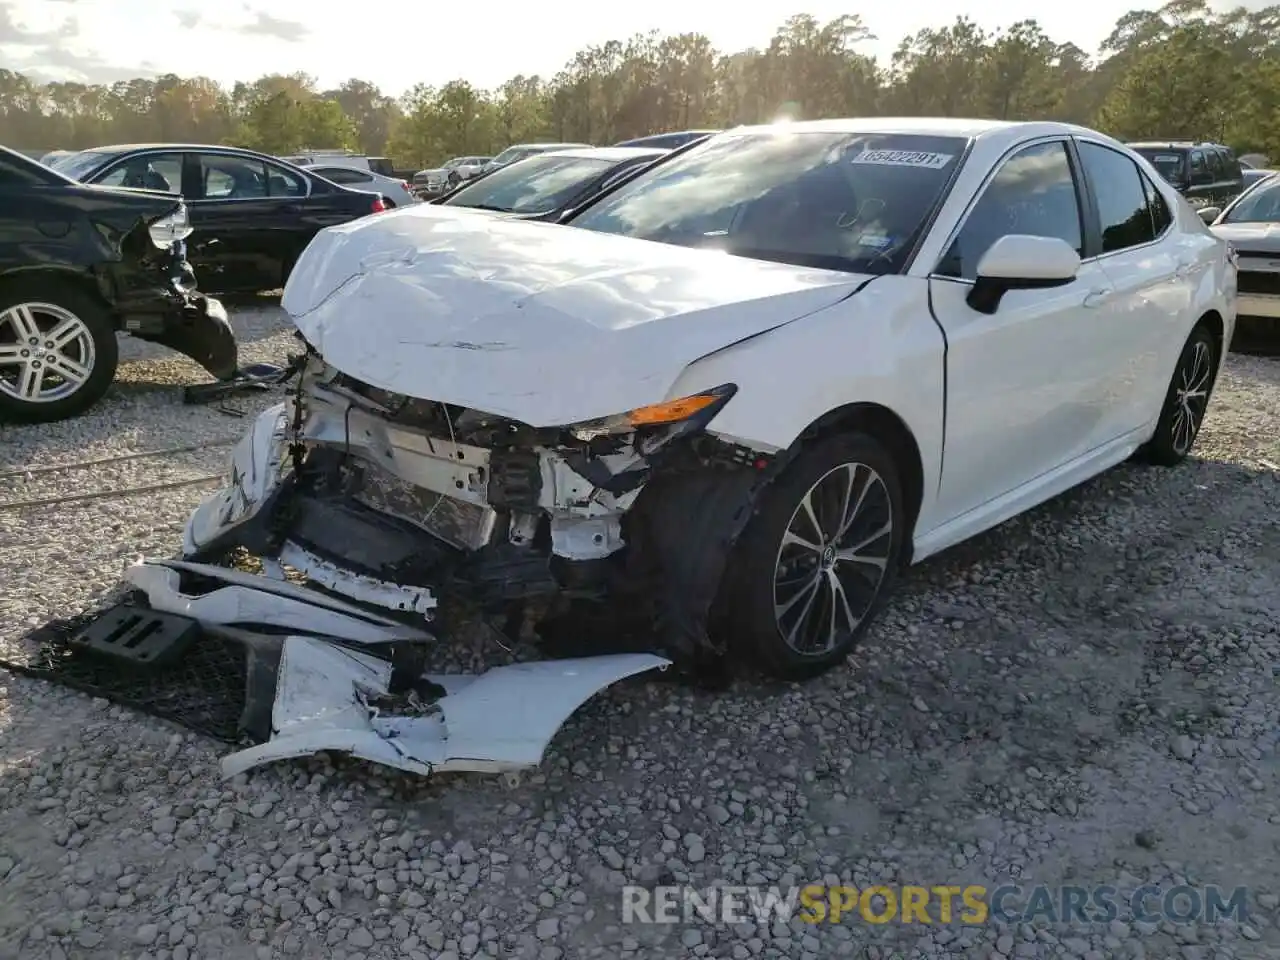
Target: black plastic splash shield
x,y
204,690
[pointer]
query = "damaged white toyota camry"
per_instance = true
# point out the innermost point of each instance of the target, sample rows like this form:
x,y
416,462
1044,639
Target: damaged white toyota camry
x,y
709,418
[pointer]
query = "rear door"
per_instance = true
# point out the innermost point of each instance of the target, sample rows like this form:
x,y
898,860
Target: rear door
x,y
1150,278
1026,386
247,221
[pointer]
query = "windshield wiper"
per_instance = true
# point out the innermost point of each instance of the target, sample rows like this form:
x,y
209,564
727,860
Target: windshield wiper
x,y
484,206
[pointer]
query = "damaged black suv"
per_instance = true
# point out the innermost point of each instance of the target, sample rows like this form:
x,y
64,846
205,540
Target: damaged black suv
x,y
78,264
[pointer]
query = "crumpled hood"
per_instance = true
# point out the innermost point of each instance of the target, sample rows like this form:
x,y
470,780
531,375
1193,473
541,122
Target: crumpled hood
x,y
1250,237
542,323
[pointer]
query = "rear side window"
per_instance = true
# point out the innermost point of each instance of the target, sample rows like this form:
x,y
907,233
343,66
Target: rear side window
x,y
1123,211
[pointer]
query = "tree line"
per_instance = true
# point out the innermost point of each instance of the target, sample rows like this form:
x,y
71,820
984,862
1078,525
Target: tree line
x,y
1183,71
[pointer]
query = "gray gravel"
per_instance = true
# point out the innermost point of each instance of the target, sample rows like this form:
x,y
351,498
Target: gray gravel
x,y
1085,696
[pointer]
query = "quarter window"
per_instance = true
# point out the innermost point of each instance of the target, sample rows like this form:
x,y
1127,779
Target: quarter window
x,y
1161,215
147,171
1124,215
1033,193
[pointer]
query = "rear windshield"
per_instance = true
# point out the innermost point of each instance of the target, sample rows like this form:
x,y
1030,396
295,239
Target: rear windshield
x,y
839,201
537,185
1170,164
80,164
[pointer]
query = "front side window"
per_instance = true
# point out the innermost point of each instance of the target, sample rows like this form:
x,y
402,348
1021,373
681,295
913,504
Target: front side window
x,y
147,171
534,186
1033,193
1199,167
1259,205
1123,214
839,201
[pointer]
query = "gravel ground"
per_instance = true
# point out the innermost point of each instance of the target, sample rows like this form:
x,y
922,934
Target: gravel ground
x,y
1085,696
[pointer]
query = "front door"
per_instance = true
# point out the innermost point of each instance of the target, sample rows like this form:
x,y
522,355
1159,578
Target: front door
x,y
1026,386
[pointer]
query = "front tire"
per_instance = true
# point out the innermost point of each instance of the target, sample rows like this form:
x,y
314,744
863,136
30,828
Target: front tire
x,y
815,563
58,351
1186,402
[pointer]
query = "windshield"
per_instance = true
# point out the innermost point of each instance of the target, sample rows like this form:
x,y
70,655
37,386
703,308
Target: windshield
x,y
79,164
537,185
1260,205
840,201
1169,164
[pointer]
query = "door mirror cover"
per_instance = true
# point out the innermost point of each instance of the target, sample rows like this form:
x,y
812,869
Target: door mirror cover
x,y
1022,262
1209,214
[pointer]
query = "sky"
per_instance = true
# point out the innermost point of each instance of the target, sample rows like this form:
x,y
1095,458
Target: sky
x,y
105,40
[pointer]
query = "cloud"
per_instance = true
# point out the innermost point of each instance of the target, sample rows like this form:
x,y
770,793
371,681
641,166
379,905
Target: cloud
x,y
12,34
187,19
44,55
265,25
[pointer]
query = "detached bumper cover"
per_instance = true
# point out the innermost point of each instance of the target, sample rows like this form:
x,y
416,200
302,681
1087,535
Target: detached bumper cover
x,y
328,694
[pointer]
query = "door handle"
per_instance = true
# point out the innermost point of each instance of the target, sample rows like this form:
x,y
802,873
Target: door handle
x,y
1098,296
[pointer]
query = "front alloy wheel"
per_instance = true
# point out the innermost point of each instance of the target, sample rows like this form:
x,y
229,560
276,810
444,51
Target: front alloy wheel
x,y
1187,400
812,567
832,559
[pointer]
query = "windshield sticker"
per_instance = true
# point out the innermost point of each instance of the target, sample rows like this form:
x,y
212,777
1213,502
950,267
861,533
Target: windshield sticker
x,y
904,158
1168,158
878,241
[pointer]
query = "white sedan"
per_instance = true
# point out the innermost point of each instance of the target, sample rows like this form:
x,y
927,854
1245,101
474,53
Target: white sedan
x,y
740,392
397,191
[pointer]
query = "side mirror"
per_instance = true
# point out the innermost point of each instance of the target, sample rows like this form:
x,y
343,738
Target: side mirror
x,y
1021,262
1209,214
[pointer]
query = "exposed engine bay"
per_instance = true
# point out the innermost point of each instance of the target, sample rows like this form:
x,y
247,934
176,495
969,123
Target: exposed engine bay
x,y
401,502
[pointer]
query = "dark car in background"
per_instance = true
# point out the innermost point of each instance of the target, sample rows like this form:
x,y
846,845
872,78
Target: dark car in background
x,y
77,265
1207,174
669,141
548,185
251,214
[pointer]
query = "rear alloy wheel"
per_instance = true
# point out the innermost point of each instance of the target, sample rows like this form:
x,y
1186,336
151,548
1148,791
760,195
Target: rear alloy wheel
x,y
819,557
58,353
1186,402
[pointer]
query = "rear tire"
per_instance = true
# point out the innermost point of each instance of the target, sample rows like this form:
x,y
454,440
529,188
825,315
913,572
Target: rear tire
x,y
1186,402
815,563
58,351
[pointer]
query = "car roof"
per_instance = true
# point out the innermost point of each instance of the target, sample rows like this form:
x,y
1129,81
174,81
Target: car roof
x,y
617,154
935,126
1172,145
121,148
544,146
